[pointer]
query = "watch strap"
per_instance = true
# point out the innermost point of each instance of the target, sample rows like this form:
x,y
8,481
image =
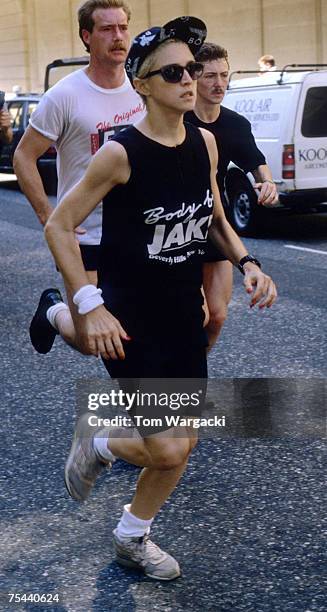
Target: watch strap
x,y
245,259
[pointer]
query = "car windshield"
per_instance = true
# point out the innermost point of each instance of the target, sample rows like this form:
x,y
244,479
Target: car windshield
x,y
16,112
314,120
30,110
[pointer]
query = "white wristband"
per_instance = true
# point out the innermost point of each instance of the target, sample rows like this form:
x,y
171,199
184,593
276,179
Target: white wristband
x,y
87,298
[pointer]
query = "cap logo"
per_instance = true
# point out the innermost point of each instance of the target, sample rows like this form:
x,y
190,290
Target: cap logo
x,y
195,41
146,39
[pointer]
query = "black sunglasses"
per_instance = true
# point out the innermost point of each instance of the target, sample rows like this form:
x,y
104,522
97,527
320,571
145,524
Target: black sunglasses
x,y
173,73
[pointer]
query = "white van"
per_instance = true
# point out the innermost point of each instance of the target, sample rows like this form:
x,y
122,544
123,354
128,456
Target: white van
x,y
288,114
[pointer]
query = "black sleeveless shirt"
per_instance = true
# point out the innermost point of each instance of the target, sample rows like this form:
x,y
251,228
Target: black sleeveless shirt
x,y
153,238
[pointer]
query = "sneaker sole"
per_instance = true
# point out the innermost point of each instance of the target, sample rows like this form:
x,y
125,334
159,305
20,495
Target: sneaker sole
x,y
71,491
134,565
68,464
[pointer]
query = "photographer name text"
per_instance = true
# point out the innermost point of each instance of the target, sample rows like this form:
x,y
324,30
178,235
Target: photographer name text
x,y
169,420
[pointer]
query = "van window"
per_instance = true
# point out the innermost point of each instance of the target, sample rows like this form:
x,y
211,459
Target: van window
x,y
314,120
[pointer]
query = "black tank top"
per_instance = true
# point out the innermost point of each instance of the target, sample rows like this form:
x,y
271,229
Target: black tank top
x,y
154,235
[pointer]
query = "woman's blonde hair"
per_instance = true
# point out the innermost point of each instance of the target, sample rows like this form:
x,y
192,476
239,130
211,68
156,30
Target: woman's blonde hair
x,y
149,61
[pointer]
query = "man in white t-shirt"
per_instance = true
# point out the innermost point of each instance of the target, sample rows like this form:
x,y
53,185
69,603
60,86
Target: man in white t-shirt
x,y
78,114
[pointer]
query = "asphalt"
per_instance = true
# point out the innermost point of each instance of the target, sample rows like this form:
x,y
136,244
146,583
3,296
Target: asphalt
x,y
248,518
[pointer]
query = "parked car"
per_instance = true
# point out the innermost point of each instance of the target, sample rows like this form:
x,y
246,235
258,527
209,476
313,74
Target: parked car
x,y
288,114
21,108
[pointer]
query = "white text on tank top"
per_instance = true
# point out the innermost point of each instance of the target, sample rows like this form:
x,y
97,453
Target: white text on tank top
x,y
187,231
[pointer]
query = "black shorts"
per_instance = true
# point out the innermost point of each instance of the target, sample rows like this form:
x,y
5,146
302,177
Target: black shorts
x,y
90,256
174,369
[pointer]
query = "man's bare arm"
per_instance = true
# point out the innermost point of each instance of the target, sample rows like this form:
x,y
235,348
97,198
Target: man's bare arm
x,y
31,147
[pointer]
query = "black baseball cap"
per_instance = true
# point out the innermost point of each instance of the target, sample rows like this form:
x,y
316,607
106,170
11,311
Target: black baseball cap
x,y
189,30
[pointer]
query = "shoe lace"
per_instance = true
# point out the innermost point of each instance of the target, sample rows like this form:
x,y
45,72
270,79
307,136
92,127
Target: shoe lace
x,y
149,551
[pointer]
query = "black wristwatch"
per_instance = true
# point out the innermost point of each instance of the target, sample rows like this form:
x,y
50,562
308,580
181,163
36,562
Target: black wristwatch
x,y
245,259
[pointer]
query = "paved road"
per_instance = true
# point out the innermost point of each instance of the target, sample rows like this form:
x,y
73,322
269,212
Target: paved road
x,y
246,522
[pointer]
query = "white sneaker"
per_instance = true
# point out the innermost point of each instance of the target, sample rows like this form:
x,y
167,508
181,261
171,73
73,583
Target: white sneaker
x,y
142,554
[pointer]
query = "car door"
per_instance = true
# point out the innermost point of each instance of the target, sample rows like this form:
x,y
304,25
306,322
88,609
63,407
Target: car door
x,y
16,109
310,138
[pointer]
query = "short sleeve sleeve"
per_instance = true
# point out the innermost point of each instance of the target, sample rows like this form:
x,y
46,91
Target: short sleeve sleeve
x,y
48,118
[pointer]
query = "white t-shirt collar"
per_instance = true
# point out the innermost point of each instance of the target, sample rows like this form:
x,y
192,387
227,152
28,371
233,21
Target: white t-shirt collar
x,y
105,90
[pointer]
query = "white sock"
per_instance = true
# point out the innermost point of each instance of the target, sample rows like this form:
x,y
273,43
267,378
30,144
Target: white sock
x,y
100,445
130,526
53,311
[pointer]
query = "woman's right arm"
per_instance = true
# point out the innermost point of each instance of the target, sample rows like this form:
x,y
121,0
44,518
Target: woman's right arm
x,y
108,168
102,332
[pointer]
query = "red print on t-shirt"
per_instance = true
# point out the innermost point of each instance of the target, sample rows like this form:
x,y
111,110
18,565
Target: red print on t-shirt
x,y
106,131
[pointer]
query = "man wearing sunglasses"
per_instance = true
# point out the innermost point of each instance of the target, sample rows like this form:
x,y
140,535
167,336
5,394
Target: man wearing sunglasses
x,y
235,142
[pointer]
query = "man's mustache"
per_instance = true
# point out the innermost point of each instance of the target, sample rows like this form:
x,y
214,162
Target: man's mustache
x,y
118,48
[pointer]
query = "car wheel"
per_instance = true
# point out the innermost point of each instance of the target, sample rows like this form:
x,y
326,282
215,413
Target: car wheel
x,y
244,212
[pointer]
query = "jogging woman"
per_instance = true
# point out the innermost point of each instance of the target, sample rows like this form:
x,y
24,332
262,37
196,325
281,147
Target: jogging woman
x,y
157,181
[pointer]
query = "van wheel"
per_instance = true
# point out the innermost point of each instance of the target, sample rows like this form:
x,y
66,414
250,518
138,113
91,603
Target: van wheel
x,y
244,212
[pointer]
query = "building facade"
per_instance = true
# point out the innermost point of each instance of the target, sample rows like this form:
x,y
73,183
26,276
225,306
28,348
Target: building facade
x,y
34,32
